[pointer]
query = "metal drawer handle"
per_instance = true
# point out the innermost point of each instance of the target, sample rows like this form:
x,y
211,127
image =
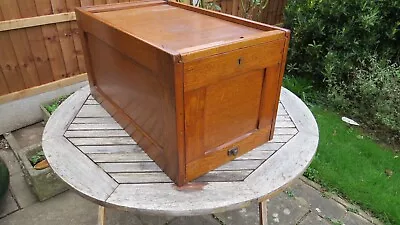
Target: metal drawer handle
x,y
233,152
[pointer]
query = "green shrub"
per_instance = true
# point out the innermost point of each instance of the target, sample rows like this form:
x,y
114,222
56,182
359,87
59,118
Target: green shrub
x,y
330,38
375,93
351,52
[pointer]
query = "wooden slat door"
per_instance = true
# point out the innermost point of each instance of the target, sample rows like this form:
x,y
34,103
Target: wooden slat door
x,y
233,113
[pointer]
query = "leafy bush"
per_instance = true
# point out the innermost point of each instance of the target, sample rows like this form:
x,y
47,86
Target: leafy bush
x,y
351,51
330,38
375,93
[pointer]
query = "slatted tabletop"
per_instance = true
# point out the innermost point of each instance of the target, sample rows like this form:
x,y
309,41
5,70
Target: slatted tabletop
x,y
92,153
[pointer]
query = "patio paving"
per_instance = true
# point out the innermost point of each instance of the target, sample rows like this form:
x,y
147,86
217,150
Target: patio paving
x,y
302,203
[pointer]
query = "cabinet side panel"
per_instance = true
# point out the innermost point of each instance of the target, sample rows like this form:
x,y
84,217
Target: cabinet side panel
x,y
139,98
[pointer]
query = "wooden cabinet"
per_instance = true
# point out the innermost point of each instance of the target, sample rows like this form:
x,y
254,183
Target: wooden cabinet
x,y
194,88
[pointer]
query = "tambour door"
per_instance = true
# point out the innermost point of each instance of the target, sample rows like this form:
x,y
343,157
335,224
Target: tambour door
x,y
230,102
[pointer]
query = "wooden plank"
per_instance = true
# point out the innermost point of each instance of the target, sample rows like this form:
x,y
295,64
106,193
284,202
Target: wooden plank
x,y
43,7
86,2
23,52
91,102
229,4
235,7
66,39
262,211
99,2
58,122
35,20
20,43
281,110
90,127
137,178
84,175
39,51
54,51
95,133
285,131
283,118
36,42
102,120
9,65
240,165
281,138
299,112
256,155
297,155
286,124
68,48
93,111
101,216
269,146
40,89
71,4
103,141
52,41
78,46
224,176
99,149
129,167
3,84
120,157
174,201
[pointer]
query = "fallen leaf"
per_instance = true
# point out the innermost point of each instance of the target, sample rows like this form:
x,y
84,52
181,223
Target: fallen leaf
x,y
41,165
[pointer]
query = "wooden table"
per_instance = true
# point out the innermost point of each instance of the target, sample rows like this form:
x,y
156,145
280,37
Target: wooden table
x,y
97,158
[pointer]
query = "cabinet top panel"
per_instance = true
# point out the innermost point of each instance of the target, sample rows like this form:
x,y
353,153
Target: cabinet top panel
x,y
179,28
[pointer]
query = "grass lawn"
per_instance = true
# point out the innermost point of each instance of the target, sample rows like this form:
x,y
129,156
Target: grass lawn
x,y
352,165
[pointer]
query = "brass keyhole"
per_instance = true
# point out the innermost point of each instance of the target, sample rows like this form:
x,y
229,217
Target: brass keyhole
x,y
239,61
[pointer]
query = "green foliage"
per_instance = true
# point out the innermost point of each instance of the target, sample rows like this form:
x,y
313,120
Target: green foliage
x,y
331,38
351,52
376,93
36,158
55,103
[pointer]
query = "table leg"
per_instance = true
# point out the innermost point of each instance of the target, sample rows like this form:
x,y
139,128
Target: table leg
x,y
101,219
262,209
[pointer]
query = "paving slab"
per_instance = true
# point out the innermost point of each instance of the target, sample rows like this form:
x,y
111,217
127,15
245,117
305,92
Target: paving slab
x,y
10,205
21,190
154,220
64,209
118,217
324,206
286,209
245,216
29,135
194,220
352,218
313,219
